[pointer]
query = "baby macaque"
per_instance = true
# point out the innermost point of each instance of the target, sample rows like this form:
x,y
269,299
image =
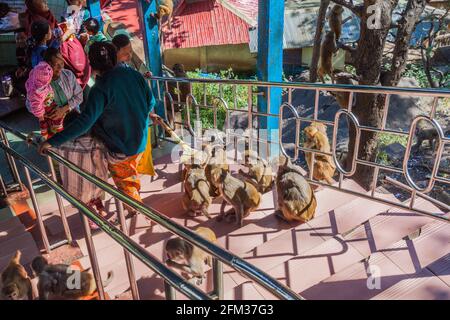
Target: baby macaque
x,y
217,161
59,281
196,199
191,260
165,8
335,20
241,195
316,138
15,283
296,200
327,49
259,172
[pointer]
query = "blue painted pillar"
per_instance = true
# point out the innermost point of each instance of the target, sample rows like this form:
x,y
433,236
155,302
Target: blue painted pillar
x,y
152,47
270,62
95,11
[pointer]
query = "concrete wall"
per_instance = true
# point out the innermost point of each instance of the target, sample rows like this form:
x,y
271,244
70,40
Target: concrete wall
x,y
213,58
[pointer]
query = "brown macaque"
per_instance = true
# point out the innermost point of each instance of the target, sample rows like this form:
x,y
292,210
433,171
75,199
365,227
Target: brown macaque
x,y
189,259
342,97
61,281
182,90
164,8
335,20
241,195
217,161
316,139
259,172
296,200
327,49
196,199
431,135
15,283
193,158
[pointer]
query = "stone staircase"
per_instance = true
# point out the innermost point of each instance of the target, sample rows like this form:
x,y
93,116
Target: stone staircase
x,y
13,237
350,241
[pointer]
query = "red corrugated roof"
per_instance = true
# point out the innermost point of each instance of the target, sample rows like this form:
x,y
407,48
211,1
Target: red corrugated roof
x,y
205,23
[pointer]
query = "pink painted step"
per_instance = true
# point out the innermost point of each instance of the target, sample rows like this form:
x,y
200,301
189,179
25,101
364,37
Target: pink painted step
x,y
11,232
423,286
29,252
9,224
387,228
244,291
441,268
309,268
413,255
307,236
314,265
13,237
402,261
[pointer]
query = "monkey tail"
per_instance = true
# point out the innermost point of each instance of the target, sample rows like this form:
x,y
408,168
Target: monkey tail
x,y
17,256
109,278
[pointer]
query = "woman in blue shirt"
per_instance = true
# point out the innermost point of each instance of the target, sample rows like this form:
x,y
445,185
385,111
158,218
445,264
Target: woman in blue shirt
x,y
117,111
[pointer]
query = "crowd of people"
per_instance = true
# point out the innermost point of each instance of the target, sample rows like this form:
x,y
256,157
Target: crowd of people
x,y
103,128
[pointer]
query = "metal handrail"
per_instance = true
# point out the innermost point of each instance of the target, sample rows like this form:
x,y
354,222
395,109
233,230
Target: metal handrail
x,y
131,246
316,86
219,253
350,89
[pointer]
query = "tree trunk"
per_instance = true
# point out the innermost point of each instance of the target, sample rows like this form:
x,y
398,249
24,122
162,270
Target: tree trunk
x,y
369,107
318,39
406,27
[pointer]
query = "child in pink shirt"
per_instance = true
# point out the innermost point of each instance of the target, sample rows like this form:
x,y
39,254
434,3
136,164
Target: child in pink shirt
x,y
40,99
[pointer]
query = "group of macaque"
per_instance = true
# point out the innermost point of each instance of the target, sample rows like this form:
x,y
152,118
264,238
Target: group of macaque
x,y
208,177
54,281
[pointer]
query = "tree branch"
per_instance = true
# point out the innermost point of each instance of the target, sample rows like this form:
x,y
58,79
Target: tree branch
x,y
356,9
317,40
407,24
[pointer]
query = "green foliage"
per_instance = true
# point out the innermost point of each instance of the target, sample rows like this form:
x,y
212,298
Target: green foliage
x,y
350,69
234,96
384,140
416,71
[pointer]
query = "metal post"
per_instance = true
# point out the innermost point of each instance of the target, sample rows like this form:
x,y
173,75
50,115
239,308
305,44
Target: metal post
x,y
218,278
170,291
152,45
37,211
62,211
96,11
92,256
10,159
3,187
128,258
270,62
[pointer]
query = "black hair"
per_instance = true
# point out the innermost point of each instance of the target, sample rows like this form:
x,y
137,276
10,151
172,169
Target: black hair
x,y
102,56
50,54
92,25
39,30
121,41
